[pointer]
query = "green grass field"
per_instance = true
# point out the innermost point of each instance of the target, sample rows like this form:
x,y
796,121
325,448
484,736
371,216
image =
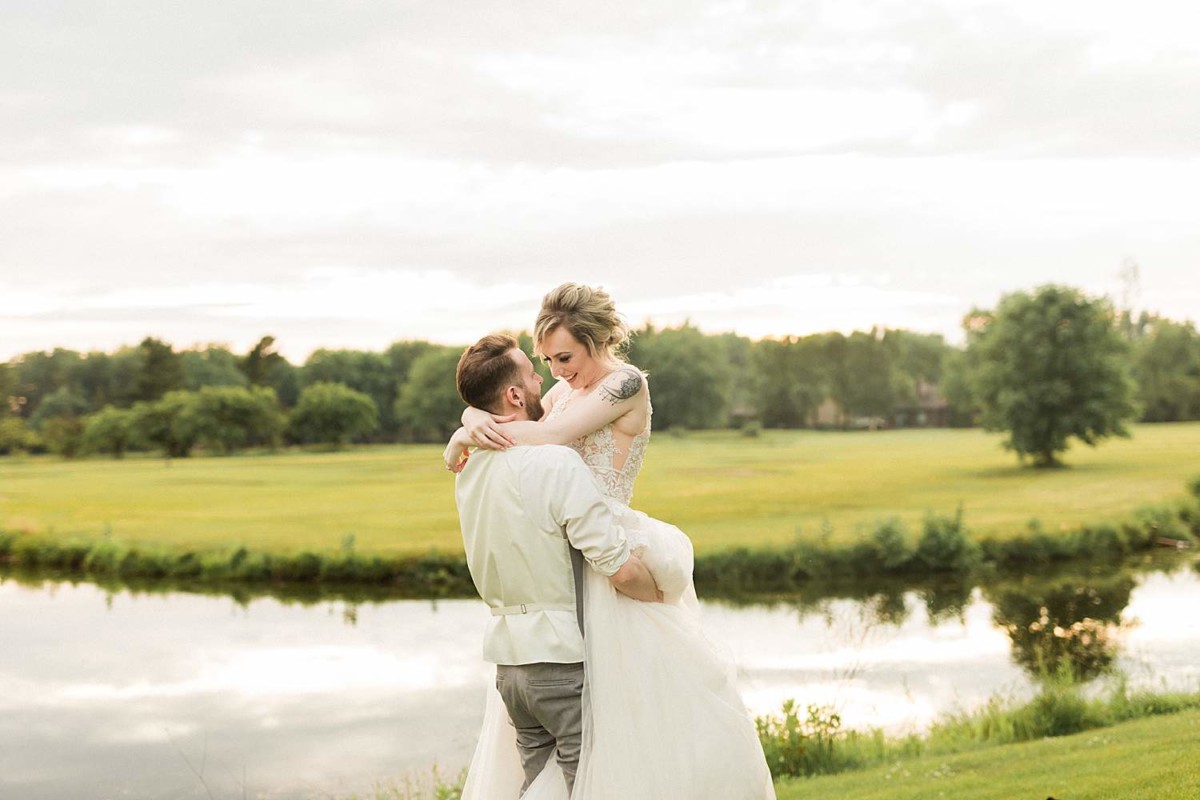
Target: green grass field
x,y
722,489
1149,759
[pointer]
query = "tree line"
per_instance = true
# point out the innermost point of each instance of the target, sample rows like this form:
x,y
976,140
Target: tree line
x,y
1038,347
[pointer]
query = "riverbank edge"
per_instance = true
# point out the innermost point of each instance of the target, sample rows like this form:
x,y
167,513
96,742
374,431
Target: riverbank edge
x,y
810,743
944,546
1140,758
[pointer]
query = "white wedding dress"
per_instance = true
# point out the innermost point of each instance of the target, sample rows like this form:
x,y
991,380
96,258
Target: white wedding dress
x,y
662,718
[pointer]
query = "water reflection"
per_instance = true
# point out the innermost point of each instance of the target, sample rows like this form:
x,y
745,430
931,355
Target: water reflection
x,y
1068,621
172,695
1062,626
126,691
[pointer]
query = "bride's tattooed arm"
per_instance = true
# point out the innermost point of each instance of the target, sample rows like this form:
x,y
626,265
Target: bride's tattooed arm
x,y
621,385
622,392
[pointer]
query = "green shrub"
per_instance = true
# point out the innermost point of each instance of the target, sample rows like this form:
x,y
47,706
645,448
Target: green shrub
x,y
187,565
106,558
1056,711
1158,522
247,566
1037,548
1194,487
1103,541
304,566
891,545
332,413
16,436
794,746
740,569
155,564
1189,516
110,430
341,569
944,545
63,435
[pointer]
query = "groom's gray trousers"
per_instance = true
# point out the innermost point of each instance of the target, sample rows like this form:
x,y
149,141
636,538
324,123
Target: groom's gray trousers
x,y
543,702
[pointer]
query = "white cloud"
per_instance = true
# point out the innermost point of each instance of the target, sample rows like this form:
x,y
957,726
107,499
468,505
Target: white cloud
x,y
333,174
803,304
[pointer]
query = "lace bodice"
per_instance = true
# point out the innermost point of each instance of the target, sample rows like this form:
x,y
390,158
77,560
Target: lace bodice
x,y
599,451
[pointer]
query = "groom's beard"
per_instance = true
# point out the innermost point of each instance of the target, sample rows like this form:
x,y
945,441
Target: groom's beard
x,y
533,406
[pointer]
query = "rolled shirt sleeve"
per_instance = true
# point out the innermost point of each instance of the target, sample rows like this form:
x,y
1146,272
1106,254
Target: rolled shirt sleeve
x,y
561,483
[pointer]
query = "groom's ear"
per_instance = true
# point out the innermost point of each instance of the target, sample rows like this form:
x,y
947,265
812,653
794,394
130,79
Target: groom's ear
x,y
514,397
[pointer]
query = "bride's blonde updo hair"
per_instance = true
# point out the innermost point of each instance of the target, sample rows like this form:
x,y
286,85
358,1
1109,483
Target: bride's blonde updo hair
x,y
589,315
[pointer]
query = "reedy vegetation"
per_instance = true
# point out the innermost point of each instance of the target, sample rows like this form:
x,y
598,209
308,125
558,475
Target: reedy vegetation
x,y
814,743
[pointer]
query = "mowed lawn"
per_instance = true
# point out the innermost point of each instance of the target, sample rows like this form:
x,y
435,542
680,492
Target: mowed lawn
x,y
764,490
1149,759
723,489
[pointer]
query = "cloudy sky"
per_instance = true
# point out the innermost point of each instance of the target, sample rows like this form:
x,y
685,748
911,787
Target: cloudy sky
x,y
346,174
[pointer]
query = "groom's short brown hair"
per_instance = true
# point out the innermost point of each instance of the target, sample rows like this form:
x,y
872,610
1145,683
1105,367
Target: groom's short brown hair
x,y
486,369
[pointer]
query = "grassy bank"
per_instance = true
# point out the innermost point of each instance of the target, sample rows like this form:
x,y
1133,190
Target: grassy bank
x,y
724,490
810,743
386,515
1148,759
943,546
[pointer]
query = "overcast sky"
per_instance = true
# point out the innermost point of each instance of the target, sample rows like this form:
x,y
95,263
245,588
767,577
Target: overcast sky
x,y
347,174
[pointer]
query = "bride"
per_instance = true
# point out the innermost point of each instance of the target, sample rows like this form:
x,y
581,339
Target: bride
x,y
662,716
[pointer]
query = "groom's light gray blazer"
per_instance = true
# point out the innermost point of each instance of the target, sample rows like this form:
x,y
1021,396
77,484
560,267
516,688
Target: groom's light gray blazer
x,y
521,511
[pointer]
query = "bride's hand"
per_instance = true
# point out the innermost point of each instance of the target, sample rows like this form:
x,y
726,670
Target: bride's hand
x,y
483,429
455,454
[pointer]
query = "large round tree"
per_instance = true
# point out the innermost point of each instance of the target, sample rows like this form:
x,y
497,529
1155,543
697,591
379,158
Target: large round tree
x,y
1049,366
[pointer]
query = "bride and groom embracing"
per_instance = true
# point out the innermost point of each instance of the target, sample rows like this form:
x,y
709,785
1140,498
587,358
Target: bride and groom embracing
x,y
606,686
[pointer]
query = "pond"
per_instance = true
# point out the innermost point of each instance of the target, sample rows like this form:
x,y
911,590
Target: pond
x,y
167,694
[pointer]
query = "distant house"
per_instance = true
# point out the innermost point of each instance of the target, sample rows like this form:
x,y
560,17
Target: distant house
x,y
829,414
741,414
930,410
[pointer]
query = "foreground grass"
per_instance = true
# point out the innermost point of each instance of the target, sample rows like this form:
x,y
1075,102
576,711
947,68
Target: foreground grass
x,y
1149,758
722,489
1145,759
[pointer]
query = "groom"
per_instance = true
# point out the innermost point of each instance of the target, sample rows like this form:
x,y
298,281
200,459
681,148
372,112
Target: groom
x,y
522,510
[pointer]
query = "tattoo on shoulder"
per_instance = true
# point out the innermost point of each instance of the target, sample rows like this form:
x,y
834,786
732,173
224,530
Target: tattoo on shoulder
x,y
621,385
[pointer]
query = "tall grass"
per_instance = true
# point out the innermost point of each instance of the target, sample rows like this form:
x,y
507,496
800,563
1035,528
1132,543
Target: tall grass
x,y
816,745
433,786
